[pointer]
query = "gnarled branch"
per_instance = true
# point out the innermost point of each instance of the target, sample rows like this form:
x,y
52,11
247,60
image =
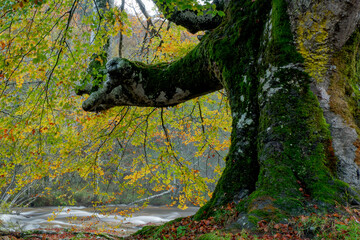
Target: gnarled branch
x,y
136,84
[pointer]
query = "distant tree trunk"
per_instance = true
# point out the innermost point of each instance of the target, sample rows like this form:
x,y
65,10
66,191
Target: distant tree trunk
x,y
96,68
291,73
121,36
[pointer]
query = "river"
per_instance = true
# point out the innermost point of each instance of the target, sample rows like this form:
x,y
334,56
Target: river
x,y
80,218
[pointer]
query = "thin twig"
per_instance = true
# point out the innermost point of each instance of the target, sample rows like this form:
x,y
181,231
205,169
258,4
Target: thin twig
x,y
167,137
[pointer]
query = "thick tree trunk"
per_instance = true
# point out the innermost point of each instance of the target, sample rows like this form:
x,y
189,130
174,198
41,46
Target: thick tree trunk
x,y
277,61
271,101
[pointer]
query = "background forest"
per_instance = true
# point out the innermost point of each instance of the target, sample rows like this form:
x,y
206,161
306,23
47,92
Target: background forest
x,y
54,153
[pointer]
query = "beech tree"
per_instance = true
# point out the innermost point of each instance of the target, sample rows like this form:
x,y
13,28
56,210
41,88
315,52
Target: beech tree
x,y
290,70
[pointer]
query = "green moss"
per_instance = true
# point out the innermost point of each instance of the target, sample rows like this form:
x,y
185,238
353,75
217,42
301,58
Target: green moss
x,y
228,235
154,232
231,48
345,82
290,161
297,126
279,156
211,236
281,50
293,136
148,231
214,236
312,42
344,88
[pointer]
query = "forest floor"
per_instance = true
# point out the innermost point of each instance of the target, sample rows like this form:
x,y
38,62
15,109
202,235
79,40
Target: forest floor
x,y
313,226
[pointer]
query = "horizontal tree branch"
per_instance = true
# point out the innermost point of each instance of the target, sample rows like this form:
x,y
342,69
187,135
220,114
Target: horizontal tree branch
x,y
162,85
193,21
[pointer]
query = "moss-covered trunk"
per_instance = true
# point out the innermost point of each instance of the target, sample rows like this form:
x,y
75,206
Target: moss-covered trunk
x,y
281,160
292,87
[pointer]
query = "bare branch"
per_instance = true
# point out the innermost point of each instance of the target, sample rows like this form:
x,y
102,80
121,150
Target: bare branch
x,y
151,197
150,24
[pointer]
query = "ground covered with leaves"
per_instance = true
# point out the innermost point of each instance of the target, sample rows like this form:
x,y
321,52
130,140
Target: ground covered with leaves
x,y
313,226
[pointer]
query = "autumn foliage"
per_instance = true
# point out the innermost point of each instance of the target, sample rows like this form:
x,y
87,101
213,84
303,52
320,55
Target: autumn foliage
x,y
51,148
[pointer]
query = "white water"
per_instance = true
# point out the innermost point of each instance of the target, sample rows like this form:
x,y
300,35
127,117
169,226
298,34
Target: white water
x,y
80,217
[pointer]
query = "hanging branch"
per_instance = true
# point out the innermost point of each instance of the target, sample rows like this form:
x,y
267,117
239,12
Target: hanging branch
x,y
62,42
201,117
168,138
161,41
145,135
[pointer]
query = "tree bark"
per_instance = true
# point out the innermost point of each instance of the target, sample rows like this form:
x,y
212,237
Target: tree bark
x,y
192,20
161,85
291,73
